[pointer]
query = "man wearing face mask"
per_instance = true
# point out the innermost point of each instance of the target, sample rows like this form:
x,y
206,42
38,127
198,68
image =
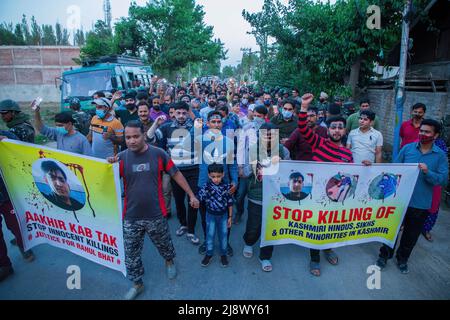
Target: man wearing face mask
x,y
409,131
216,148
272,109
106,132
65,135
131,112
433,165
286,121
176,138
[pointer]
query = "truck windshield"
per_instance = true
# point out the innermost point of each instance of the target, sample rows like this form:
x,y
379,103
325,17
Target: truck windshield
x,y
85,84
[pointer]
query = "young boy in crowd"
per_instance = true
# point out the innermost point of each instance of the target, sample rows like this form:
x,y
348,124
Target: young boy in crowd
x,y
219,210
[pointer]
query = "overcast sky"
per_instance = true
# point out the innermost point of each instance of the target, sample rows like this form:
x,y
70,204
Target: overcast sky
x,y
225,16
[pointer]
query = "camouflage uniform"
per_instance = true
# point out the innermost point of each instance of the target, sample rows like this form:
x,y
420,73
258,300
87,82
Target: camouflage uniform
x,y
22,128
82,121
133,235
20,124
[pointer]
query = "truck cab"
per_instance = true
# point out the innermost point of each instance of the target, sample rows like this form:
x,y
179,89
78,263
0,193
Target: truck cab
x,y
105,74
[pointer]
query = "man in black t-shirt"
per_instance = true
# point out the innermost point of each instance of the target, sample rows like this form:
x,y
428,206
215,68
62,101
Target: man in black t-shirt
x,y
142,167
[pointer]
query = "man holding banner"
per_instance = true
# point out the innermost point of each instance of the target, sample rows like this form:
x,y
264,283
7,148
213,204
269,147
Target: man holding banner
x,y
326,150
433,165
142,167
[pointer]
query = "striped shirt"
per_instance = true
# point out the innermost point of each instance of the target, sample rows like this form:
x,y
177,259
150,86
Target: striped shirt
x,y
323,149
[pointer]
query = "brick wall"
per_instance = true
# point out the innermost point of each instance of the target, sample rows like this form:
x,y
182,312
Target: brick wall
x,y
383,103
30,71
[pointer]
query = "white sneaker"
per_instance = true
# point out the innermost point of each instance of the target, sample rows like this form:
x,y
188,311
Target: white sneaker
x,y
181,230
193,238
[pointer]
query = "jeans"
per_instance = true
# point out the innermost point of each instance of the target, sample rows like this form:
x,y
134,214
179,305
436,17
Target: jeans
x,y
240,196
216,223
412,227
202,210
253,230
191,176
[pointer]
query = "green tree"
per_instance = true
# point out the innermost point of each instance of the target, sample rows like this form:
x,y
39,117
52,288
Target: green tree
x,y
8,35
228,72
78,38
36,33
25,30
171,33
99,42
323,46
48,35
62,35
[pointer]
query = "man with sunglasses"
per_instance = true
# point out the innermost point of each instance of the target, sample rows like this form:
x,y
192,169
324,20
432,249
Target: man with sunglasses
x,y
328,149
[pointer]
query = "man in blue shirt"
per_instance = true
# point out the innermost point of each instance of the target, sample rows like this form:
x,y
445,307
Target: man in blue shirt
x,y
433,165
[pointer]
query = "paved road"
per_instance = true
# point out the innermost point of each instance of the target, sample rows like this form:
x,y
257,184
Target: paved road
x,y
429,276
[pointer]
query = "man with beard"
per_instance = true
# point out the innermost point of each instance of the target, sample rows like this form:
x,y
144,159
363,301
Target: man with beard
x,y
409,131
175,137
296,144
141,167
212,104
130,114
156,111
326,150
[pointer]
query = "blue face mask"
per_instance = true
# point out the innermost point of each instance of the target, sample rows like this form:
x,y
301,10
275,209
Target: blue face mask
x,y
287,114
62,130
244,102
100,113
259,120
267,103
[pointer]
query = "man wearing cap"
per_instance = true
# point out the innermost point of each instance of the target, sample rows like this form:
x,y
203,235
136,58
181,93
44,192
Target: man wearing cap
x,y
106,132
65,135
353,120
17,121
81,118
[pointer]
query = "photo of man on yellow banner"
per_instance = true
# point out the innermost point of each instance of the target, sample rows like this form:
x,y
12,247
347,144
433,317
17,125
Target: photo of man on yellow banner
x,y
65,200
329,205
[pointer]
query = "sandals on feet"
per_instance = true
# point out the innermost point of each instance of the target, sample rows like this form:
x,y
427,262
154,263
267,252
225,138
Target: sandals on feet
x,y
248,252
266,265
314,268
332,258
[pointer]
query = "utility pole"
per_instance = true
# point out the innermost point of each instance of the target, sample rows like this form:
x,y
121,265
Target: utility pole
x,y
400,95
107,12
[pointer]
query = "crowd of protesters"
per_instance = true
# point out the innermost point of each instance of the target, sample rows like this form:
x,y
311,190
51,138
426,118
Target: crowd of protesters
x,y
200,141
